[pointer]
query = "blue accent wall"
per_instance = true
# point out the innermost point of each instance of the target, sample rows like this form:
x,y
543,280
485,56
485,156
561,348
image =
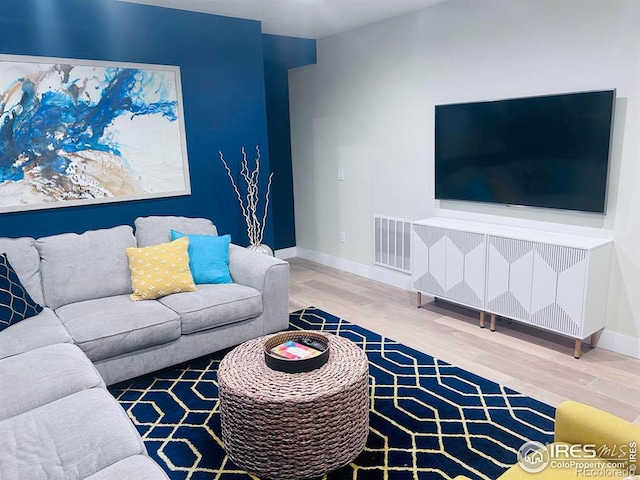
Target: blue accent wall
x,y
281,54
223,86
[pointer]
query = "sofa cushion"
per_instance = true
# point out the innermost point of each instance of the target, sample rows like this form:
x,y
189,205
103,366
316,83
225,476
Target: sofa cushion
x,y
138,467
34,332
214,305
71,438
160,270
25,259
208,257
108,327
15,302
42,376
155,230
93,265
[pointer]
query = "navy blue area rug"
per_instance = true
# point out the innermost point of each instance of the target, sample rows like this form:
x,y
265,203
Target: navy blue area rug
x,y
429,419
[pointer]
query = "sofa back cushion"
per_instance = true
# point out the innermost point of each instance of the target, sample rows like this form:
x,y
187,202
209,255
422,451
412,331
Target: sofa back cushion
x,y
82,267
156,230
25,260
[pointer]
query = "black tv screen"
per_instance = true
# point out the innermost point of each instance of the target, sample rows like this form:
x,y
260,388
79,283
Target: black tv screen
x,y
549,151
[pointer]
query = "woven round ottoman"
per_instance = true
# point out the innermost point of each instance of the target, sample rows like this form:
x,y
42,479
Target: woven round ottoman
x,y
290,426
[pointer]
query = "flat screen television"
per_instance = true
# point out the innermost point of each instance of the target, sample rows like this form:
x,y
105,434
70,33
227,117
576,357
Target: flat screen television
x,y
548,151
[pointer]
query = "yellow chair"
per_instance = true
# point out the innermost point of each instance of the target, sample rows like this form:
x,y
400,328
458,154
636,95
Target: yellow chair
x,y
585,435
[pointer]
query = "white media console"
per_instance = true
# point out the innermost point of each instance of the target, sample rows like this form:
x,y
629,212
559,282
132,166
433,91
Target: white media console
x,y
553,281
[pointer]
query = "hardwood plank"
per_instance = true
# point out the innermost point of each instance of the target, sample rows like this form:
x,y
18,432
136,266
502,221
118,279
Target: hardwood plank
x,y
624,392
338,288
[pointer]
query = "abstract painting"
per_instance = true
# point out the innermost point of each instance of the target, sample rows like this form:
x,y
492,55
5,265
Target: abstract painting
x,y
77,132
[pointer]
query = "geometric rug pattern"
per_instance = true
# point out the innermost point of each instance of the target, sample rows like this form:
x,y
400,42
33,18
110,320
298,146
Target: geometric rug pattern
x,y
428,419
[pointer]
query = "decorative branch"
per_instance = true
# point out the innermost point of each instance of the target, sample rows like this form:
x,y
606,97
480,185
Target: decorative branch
x,y
255,227
266,207
235,187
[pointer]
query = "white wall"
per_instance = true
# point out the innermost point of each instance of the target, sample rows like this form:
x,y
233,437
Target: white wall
x,y
367,106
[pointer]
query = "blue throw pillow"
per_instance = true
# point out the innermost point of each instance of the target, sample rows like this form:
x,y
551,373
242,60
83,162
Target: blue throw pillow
x,y
15,302
208,257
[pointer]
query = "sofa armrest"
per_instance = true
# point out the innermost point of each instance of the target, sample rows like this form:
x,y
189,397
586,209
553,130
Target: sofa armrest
x,y
577,423
268,275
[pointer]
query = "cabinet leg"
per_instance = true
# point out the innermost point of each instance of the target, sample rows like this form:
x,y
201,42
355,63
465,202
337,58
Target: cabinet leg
x,y
577,351
481,319
593,341
493,322
419,299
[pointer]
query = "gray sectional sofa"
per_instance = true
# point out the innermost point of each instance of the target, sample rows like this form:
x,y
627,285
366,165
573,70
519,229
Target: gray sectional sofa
x,y
57,420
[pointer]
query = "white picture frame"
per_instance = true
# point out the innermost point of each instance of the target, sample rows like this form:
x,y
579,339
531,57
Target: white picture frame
x,y
81,132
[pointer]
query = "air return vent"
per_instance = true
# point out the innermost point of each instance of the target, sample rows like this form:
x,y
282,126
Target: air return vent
x,y
392,242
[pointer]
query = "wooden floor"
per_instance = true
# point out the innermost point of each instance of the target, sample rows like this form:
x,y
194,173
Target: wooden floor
x,y
531,361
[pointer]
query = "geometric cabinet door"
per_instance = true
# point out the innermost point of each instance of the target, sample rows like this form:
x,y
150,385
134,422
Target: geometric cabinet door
x,y
537,283
558,288
449,264
465,267
509,272
428,269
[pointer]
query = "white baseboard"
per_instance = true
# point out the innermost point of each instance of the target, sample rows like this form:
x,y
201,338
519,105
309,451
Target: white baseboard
x,y
619,343
616,342
390,277
285,253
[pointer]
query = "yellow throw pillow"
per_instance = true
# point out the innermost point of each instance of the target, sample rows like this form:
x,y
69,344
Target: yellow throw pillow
x,y
160,270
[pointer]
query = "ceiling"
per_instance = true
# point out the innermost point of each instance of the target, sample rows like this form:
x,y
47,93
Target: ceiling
x,y
301,18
